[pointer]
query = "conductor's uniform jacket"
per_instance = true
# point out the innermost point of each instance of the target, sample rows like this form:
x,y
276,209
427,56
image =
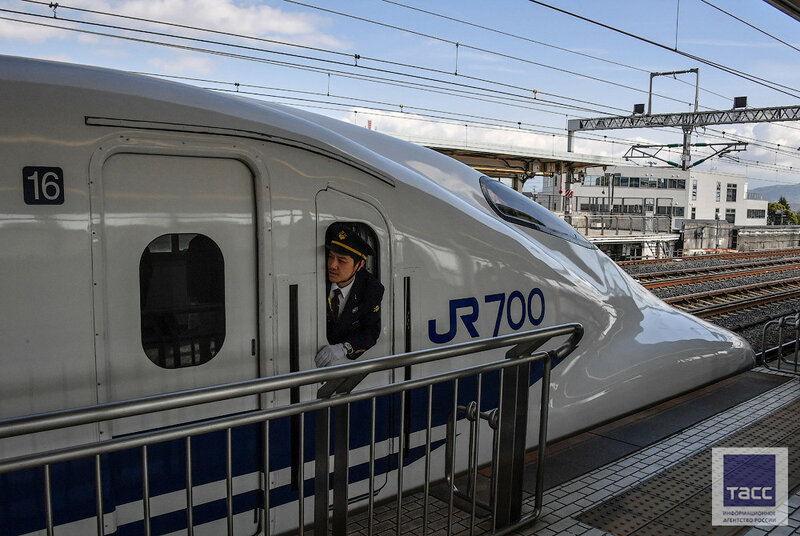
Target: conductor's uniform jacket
x,y
360,320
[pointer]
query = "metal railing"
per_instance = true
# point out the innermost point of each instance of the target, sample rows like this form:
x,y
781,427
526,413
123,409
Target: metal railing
x,y
513,372
790,323
615,224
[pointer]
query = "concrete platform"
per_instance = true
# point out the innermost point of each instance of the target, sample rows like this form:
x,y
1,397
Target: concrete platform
x,y
647,474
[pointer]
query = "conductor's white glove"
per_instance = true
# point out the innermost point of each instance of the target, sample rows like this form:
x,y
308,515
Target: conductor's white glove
x,y
333,354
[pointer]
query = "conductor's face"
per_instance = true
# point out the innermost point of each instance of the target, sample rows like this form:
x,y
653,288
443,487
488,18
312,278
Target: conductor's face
x,y
342,268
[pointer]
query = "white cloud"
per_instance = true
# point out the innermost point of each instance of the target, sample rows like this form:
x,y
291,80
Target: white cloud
x,y
183,64
26,32
420,129
228,16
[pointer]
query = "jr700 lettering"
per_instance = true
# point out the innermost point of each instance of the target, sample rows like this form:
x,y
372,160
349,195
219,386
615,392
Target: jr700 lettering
x,y
513,309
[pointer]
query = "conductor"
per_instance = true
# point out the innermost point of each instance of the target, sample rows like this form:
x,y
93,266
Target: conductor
x,y
354,298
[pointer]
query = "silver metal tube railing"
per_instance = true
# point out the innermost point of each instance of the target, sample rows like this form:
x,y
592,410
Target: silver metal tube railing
x,y
789,323
336,378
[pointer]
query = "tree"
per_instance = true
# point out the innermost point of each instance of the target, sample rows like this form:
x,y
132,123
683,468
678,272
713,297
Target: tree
x,y
780,214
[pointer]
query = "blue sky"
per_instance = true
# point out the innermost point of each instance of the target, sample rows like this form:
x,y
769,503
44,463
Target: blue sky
x,y
576,68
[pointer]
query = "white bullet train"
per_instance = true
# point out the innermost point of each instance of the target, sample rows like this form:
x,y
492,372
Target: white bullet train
x,y
152,236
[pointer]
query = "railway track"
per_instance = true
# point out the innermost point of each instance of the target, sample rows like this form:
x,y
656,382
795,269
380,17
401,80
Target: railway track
x,y
720,302
653,280
716,256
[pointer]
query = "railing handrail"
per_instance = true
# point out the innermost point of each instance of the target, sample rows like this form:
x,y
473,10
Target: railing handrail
x,y
510,443
524,342
791,321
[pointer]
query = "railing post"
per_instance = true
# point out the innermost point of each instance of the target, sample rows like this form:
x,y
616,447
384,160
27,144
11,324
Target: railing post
x,y
511,444
321,472
341,458
341,467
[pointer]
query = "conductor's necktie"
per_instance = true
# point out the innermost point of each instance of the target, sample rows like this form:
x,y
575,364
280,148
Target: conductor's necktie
x,y
335,302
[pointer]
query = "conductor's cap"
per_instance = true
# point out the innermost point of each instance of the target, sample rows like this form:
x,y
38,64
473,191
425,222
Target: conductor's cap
x,y
342,239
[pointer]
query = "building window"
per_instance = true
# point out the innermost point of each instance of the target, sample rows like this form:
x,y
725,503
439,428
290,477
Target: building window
x,y
182,300
694,213
731,193
754,213
730,215
694,190
719,191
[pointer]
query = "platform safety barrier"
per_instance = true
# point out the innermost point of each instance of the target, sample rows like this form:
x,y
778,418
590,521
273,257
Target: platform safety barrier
x,y
337,394
789,324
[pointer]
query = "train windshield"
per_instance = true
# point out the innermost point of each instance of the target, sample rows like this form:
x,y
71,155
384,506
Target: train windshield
x,y
516,208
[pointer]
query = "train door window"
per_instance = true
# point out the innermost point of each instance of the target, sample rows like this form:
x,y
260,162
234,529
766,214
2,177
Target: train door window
x,y
182,300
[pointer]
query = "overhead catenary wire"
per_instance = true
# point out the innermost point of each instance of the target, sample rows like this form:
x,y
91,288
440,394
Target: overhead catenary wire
x,y
478,49
536,95
730,70
392,109
414,79
731,15
237,87
536,42
345,54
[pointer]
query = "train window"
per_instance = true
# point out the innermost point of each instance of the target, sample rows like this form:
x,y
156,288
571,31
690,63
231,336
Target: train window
x,y
182,300
516,208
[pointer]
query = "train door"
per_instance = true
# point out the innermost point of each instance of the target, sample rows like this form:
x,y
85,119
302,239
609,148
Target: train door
x,y
333,206
179,310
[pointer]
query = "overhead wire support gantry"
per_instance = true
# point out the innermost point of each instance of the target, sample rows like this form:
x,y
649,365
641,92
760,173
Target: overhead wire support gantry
x,y
694,119
687,120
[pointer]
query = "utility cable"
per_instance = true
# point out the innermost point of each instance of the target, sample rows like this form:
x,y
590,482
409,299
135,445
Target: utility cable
x,y
502,121
756,28
356,57
472,96
479,49
775,86
535,98
541,43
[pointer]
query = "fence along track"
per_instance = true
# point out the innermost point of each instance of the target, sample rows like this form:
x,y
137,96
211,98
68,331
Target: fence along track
x,y
336,393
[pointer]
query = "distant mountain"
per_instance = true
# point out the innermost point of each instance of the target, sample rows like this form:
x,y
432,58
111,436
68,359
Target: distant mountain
x,y
773,193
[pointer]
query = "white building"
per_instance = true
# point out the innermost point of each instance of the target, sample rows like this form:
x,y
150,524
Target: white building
x,y
653,191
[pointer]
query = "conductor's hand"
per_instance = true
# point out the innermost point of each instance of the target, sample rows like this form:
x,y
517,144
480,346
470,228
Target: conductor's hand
x,y
333,354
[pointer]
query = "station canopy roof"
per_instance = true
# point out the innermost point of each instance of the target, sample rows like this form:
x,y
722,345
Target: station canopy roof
x,y
790,7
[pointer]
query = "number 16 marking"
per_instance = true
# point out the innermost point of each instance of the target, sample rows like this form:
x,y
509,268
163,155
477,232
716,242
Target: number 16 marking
x,y
43,185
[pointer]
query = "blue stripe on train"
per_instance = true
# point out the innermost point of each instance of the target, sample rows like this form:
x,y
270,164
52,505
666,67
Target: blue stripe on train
x,y
21,494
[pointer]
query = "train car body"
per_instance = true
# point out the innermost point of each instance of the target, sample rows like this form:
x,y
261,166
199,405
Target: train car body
x,y
132,204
